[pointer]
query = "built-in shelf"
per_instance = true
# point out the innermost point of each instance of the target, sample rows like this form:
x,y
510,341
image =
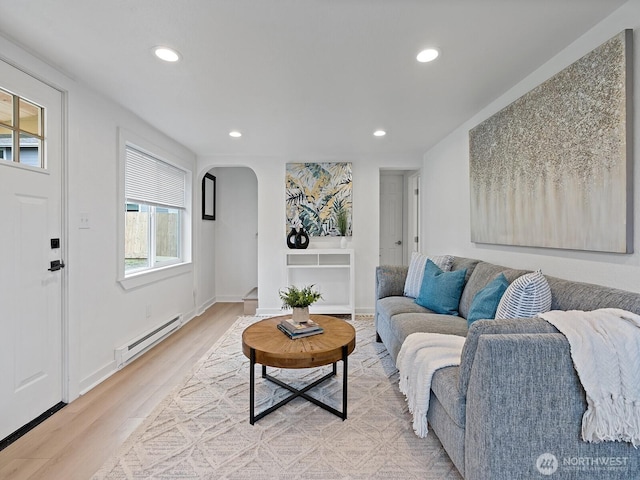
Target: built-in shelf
x,y
331,271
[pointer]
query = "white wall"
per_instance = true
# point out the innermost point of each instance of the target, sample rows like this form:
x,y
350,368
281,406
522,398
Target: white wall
x,y
100,314
270,173
106,314
445,180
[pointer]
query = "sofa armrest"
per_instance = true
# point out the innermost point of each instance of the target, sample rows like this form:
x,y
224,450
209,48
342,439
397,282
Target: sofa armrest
x,y
524,400
390,280
491,327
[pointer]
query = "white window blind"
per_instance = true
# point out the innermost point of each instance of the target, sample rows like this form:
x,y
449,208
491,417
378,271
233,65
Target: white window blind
x,y
152,181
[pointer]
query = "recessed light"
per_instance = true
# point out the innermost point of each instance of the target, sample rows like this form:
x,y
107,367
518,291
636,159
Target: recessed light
x,y
379,133
167,54
235,134
428,55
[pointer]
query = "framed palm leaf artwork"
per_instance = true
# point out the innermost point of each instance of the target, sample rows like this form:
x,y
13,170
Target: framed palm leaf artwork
x,y
319,198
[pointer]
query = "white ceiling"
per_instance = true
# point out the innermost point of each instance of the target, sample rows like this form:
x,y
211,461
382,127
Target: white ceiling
x,y
301,78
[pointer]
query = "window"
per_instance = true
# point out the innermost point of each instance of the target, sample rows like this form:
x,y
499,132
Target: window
x,y
21,130
155,212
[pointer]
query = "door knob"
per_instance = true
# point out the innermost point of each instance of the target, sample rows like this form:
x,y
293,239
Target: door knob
x,y
399,242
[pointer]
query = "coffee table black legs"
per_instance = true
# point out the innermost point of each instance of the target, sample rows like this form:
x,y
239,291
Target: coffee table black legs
x,y
295,393
252,379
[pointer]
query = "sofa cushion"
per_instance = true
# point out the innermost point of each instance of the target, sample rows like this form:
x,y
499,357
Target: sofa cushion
x,y
462,263
445,386
569,295
527,296
440,290
482,274
416,271
491,327
390,306
404,324
390,280
485,303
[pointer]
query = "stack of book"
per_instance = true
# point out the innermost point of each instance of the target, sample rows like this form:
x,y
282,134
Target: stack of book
x,y
299,330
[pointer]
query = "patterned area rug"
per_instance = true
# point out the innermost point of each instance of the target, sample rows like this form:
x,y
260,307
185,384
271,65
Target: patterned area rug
x,y
202,429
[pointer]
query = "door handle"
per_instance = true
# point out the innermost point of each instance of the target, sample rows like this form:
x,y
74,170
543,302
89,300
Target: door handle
x,y
56,265
399,242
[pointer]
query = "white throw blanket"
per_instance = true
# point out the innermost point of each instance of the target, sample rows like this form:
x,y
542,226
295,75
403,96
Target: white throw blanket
x,y
420,356
605,348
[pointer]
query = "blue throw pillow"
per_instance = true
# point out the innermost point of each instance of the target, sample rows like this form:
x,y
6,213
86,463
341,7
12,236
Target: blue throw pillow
x,y
440,291
486,301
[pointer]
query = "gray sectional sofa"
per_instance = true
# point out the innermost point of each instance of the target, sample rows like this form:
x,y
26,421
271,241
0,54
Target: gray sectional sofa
x,y
515,403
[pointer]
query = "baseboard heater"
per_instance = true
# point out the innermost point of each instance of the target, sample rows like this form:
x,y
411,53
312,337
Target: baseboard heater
x,y
138,345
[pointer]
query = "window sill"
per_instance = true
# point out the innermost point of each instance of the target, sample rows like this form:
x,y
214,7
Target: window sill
x,y
147,277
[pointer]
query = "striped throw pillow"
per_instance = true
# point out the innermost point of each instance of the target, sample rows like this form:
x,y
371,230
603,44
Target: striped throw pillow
x,y
527,296
416,271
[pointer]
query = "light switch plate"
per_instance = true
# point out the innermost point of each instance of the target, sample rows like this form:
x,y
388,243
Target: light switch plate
x,y
84,220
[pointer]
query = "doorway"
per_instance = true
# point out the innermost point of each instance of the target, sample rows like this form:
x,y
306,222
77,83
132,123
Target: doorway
x,y
399,215
233,235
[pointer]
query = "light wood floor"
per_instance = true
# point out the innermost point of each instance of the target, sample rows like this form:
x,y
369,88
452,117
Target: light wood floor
x,y
75,442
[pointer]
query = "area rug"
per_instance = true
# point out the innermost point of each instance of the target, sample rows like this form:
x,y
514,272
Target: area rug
x,y
201,430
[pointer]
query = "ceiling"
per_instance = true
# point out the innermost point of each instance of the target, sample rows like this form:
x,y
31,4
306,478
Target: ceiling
x,y
301,78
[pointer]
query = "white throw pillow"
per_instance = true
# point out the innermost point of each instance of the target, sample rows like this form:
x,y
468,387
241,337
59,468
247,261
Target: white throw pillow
x,y
416,271
527,296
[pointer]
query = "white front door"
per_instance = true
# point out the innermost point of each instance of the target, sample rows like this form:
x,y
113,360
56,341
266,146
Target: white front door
x,y
30,215
391,213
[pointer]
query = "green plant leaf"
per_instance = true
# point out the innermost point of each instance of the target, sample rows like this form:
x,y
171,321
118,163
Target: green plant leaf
x,y
294,297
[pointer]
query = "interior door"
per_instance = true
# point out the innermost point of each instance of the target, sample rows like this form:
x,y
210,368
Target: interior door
x,y
391,212
30,215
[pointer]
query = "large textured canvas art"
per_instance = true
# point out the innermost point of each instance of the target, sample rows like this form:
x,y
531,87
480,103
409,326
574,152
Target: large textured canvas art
x,y
554,168
318,195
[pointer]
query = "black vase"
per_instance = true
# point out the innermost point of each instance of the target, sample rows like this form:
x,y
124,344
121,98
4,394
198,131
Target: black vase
x,y
291,238
302,239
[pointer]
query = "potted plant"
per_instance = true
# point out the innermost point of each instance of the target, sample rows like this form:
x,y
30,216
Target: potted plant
x,y
342,224
299,300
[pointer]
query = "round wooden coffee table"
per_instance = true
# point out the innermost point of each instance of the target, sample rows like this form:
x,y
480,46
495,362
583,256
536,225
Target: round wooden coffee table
x,y
263,343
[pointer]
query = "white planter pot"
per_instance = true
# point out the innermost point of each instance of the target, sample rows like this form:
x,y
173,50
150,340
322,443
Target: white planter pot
x,y
300,315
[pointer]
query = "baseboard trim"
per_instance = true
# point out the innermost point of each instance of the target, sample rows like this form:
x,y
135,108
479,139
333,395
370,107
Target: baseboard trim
x,y
230,298
97,377
205,305
365,311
